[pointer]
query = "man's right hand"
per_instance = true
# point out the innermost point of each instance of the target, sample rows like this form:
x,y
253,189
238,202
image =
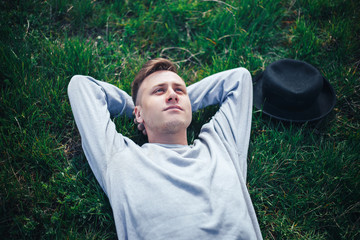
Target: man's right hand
x,y
140,126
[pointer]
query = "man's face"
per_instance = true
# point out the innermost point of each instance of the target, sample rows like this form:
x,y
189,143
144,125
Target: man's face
x,y
163,103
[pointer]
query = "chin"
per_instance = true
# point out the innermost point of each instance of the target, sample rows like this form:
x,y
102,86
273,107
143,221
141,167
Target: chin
x,y
174,126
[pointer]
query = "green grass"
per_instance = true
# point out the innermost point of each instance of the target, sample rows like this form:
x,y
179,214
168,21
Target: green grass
x,y
303,179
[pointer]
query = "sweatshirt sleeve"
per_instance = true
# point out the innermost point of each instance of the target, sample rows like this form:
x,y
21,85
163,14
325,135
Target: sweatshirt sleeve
x,y
232,90
93,104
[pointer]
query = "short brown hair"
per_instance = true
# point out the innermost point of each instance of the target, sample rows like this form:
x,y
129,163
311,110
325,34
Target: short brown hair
x,y
150,67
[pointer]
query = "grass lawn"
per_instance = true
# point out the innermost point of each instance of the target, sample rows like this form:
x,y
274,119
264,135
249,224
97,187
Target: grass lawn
x,y
304,179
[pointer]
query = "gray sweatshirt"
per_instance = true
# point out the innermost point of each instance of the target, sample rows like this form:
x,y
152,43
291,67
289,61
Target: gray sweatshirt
x,y
164,191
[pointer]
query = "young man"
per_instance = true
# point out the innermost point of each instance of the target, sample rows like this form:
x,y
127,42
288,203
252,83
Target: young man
x,y
167,189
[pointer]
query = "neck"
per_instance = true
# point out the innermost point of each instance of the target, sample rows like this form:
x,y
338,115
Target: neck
x,y
168,138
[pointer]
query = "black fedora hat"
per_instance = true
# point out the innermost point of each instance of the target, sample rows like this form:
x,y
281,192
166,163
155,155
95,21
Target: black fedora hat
x,y
293,90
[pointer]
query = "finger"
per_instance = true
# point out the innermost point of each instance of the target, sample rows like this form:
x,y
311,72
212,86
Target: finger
x,y
141,126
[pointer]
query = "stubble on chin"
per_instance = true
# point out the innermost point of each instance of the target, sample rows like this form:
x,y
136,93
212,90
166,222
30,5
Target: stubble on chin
x,y
173,127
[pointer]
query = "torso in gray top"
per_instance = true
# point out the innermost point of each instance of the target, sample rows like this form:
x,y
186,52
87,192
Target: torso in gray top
x,y
160,191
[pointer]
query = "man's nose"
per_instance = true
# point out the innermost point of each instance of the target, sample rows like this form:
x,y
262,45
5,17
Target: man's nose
x,y
172,96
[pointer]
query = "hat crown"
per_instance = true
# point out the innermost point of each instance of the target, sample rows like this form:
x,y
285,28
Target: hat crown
x,y
291,84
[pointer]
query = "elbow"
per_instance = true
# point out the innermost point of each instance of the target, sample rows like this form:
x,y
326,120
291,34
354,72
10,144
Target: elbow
x,y
244,75
244,78
240,77
243,82
75,83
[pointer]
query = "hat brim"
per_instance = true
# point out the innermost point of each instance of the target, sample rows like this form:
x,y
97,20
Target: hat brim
x,y
319,109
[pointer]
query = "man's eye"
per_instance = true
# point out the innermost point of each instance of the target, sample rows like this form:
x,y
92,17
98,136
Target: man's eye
x,y
179,90
159,90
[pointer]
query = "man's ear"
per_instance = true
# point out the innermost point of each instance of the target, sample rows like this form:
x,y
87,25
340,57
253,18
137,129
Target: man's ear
x,y
138,114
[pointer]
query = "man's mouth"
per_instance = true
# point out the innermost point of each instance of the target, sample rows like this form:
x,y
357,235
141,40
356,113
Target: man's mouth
x,y
175,107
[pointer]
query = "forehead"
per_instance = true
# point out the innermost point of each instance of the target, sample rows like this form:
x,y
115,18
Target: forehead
x,y
160,78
